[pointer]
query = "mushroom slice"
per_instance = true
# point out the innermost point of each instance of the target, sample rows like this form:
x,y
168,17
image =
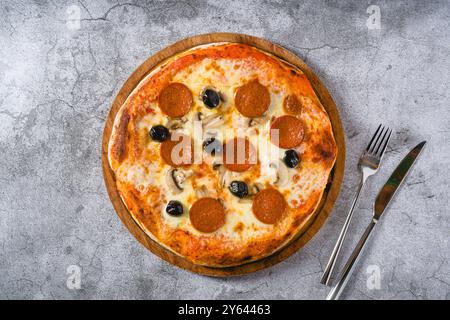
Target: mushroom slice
x,y
198,116
201,192
282,173
171,182
174,124
248,199
252,191
256,188
211,97
175,179
213,121
224,174
225,178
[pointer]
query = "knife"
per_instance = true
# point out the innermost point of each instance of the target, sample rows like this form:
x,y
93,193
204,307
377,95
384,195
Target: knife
x,y
384,197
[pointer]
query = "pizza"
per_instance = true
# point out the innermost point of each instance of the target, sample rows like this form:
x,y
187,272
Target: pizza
x,y
222,153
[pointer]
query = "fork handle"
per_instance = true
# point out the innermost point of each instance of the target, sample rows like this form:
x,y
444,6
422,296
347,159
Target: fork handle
x,y
340,285
337,247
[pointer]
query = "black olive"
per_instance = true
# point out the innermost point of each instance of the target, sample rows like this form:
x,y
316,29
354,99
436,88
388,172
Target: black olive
x,y
159,133
211,98
212,146
291,158
238,188
174,208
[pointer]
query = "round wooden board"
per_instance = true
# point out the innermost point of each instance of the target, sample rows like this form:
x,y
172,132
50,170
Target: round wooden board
x,y
314,222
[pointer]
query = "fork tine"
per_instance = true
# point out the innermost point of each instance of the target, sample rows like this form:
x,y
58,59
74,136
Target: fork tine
x,y
373,137
385,144
374,145
382,140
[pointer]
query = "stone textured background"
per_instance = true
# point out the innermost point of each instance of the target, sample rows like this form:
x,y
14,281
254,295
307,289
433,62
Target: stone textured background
x,y
57,84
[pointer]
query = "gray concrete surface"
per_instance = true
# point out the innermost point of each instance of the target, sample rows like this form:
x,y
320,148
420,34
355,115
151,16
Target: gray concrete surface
x,y
57,83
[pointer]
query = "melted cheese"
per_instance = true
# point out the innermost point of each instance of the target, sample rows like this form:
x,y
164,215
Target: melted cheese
x,y
225,76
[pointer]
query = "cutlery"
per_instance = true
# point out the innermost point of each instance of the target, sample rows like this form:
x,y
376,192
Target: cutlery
x,y
384,197
368,165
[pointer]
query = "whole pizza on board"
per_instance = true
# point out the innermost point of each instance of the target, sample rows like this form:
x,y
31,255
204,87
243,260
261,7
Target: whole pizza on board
x,y
222,153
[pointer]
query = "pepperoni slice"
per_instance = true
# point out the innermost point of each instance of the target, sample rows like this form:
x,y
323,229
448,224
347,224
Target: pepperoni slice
x,y
292,105
207,215
238,154
177,152
290,132
252,99
175,100
268,206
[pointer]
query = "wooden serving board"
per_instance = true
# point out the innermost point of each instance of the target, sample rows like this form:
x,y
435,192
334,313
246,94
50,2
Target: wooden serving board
x,y
315,221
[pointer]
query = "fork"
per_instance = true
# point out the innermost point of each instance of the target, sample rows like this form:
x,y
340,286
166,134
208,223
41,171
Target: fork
x,y
368,165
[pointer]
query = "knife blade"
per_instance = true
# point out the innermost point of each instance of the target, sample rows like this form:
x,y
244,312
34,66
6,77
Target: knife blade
x,y
389,189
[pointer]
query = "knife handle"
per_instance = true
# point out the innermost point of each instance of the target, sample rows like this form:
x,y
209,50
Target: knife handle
x,y
349,266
